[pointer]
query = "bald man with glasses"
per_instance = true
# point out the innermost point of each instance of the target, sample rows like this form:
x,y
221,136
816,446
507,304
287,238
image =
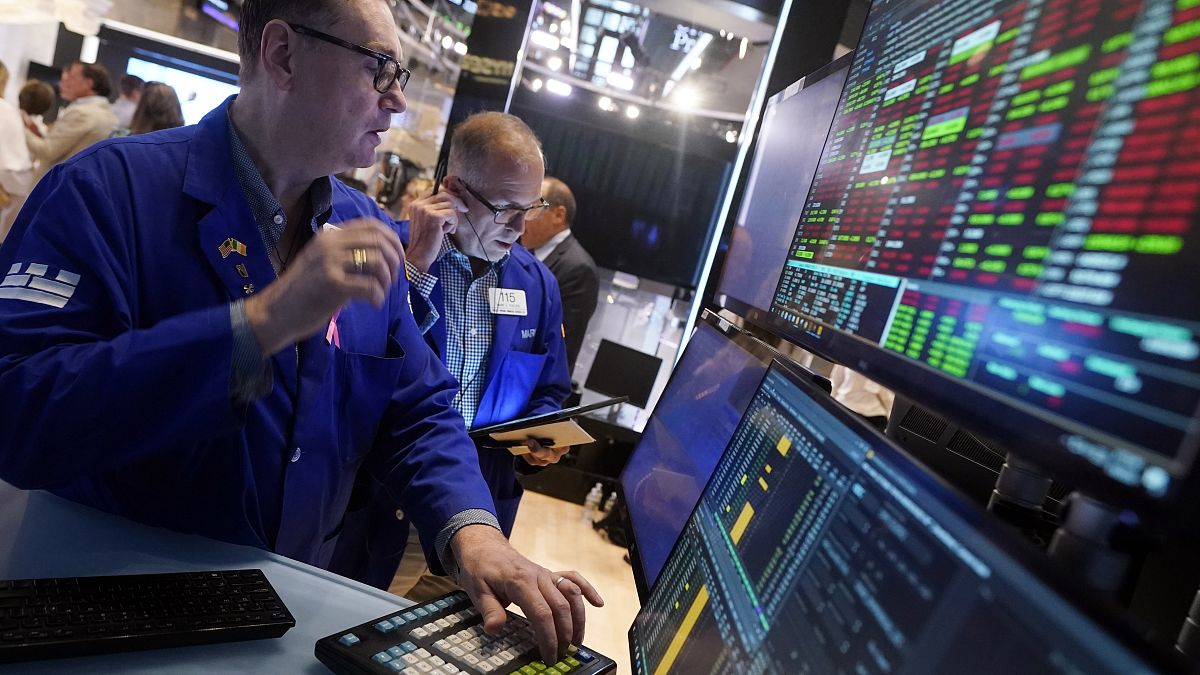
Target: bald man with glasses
x,y
489,309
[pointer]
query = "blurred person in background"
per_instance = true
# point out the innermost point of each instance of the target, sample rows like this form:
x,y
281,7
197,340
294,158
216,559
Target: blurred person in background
x,y
131,93
35,100
89,117
157,109
414,190
16,167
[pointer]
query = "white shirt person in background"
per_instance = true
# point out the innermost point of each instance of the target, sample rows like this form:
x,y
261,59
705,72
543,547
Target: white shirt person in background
x,y
16,167
89,118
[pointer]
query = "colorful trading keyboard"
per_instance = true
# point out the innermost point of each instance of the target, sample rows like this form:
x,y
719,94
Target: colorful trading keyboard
x,y
443,637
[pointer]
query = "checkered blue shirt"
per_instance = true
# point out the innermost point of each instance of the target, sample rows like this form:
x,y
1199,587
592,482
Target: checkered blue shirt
x,y
469,320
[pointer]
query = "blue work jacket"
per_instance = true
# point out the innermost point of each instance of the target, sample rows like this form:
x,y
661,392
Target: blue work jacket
x,y
116,352
526,370
526,375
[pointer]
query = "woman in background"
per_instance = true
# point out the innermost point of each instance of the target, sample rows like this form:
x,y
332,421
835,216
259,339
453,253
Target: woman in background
x,y
35,100
158,109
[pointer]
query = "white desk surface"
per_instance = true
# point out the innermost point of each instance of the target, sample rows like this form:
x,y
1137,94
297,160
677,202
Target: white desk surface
x,y
42,535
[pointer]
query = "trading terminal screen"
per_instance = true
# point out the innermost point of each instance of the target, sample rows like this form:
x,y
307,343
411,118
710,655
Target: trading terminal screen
x,y
684,437
1009,197
794,127
818,548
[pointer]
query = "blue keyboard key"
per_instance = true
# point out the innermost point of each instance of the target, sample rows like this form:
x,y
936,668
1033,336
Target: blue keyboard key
x,y
385,626
421,612
381,657
395,665
409,616
349,639
584,655
397,620
395,652
408,647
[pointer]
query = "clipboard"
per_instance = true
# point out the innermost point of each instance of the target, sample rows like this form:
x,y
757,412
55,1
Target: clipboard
x,y
558,420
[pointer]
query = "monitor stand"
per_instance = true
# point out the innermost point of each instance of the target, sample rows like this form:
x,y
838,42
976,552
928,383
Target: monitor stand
x,y
1100,542
1019,499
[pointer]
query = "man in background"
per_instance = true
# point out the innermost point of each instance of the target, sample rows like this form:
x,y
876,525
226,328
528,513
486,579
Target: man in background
x,y
508,357
549,237
131,93
88,118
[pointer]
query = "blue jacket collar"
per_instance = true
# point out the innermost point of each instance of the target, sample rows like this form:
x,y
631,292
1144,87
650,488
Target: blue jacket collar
x,y
210,158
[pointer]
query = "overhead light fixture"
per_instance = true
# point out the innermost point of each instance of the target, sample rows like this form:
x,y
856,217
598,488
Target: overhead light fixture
x,y
545,40
686,98
606,104
696,63
553,9
554,63
743,47
632,112
722,32
620,81
447,42
558,87
731,136
553,28
536,84
460,48
729,35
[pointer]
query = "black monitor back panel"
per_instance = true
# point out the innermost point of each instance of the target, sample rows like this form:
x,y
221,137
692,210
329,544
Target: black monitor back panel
x,y
817,547
795,124
618,370
1002,227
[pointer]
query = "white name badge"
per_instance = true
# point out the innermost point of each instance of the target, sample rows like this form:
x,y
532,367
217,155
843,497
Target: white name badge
x,y
508,301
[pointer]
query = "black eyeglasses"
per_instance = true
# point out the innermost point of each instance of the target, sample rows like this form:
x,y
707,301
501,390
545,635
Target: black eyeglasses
x,y
506,215
387,71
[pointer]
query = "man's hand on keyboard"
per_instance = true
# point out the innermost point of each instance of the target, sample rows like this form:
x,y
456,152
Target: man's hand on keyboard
x,y
494,575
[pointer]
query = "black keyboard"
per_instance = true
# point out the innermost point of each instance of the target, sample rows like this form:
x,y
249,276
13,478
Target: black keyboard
x,y
445,637
76,616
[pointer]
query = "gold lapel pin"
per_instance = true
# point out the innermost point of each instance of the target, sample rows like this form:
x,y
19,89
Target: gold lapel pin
x,y
241,270
230,246
248,289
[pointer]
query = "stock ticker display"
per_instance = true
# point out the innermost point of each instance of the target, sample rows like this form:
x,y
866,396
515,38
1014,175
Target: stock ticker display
x,y
1009,195
812,551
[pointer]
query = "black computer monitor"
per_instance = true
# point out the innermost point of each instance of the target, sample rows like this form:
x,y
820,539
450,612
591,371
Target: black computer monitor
x,y
795,123
709,389
817,547
618,370
1002,227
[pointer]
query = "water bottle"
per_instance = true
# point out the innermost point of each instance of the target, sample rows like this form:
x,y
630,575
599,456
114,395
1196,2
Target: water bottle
x,y
592,503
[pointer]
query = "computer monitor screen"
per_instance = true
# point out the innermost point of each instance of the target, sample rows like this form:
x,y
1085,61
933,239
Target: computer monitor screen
x,y
198,95
818,548
1002,226
795,124
618,370
691,424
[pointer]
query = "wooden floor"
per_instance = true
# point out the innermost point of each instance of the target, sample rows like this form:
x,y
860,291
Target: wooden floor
x,y
549,532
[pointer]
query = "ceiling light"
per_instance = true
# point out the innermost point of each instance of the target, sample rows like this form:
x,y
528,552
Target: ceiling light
x,y
632,112
447,42
606,104
743,47
722,32
460,48
553,28
620,81
696,63
536,84
731,136
686,97
558,87
554,63
543,39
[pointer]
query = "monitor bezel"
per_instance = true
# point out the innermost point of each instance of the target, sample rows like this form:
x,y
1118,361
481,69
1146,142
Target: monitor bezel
x,y
1034,437
1103,613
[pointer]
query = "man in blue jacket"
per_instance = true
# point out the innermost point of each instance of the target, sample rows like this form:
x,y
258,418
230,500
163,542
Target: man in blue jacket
x,y
490,311
199,329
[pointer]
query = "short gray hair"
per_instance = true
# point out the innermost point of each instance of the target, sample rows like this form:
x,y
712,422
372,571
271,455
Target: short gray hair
x,y
256,14
487,136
